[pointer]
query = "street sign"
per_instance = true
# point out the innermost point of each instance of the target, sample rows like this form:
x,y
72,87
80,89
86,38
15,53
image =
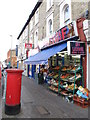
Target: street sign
x,y
28,45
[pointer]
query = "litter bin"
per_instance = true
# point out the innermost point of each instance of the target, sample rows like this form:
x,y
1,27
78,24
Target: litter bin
x,y
13,91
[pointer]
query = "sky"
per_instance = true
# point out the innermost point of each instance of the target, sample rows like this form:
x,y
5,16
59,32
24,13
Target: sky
x,y
13,16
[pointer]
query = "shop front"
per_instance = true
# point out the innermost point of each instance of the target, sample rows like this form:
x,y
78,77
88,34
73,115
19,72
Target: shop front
x,y
32,68
64,74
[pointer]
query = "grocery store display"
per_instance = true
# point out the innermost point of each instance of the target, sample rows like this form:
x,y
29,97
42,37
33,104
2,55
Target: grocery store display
x,y
63,80
52,79
66,79
69,76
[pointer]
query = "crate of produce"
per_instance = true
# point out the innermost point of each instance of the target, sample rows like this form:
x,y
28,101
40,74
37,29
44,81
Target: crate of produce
x,y
81,101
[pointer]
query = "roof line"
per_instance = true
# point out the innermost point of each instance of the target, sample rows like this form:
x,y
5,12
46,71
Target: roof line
x,y
30,16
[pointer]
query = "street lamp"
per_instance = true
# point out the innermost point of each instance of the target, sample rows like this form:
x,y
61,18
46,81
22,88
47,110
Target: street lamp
x,y
11,51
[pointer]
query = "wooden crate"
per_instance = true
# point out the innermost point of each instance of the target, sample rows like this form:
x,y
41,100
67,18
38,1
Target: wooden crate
x,y
81,102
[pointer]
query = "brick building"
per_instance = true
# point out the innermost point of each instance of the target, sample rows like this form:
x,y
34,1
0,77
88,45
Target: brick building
x,y
11,58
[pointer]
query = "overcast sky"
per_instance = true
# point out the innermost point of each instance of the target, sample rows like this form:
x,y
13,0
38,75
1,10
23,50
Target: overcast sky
x,y
13,16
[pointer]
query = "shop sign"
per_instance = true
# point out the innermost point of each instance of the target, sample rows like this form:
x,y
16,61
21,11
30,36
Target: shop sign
x,y
28,45
76,48
63,33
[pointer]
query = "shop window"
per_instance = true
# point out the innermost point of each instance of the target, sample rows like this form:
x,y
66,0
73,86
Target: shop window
x,y
66,15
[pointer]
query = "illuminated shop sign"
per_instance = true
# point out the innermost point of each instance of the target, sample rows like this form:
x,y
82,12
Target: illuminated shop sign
x,y
63,33
76,48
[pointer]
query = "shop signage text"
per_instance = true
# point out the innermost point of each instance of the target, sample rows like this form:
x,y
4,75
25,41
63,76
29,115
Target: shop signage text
x,y
62,34
76,48
28,45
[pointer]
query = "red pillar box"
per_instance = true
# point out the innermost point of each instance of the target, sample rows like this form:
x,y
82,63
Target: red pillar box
x,y
13,91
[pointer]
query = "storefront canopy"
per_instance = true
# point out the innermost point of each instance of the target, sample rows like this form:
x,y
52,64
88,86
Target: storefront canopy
x,y
42,56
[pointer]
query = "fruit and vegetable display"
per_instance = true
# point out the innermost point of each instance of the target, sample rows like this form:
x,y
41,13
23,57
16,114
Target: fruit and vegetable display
x,y
53,88
67,84
57,68
70,77
71,87
67,68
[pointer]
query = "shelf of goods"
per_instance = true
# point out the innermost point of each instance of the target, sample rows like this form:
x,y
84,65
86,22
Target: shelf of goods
x,y
64,80
53,79
69,76
81,98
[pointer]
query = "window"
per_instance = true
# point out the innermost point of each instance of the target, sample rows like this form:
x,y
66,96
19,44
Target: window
x,y
49,4
50,26
31,25
66,15
36,39
31,39
36,17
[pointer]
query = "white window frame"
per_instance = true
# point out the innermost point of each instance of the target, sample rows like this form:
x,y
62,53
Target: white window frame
x,y
63,5
66,20
36,39
50,17
50,26
31,39
37,16
26,31
31,25
49,4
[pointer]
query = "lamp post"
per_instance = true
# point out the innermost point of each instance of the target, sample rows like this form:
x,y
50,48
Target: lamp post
x,y
11,51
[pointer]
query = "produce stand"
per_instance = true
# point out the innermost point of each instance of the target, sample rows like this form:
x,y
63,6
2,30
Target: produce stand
x,y
67,80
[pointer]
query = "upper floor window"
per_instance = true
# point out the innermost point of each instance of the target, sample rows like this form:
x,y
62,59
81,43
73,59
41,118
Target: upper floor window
x,y
66,15
49,4
31,39
50,26
36,17
36,39
26,32
31,25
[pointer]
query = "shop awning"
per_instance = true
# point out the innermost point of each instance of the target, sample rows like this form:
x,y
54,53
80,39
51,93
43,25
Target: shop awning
x,y
42,56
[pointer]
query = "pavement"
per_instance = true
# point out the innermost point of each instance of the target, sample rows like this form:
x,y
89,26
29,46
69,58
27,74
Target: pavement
x,y
38,102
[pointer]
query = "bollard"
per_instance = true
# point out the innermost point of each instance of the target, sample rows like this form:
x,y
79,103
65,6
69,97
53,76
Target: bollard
x,y
13,91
